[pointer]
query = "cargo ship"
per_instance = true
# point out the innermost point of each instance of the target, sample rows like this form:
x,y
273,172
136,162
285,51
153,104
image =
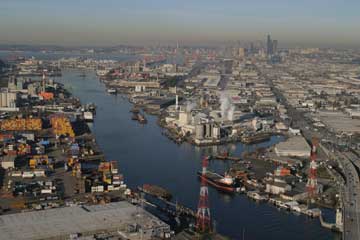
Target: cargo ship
x,y
156,191
224,183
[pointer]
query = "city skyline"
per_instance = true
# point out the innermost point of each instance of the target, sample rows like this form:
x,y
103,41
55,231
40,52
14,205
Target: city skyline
x,y
67,23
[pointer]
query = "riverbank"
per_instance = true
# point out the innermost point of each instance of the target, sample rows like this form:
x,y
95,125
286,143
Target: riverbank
x,y
146,156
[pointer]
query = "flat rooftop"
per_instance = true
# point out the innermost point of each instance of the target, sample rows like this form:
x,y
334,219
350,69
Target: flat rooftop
x,y
339,121
295,145
61,222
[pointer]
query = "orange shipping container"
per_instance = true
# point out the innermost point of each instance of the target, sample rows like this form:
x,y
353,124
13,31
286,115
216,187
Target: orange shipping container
x,y
47,95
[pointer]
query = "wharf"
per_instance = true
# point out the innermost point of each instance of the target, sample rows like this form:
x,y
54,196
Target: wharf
x,y
230,158
178,208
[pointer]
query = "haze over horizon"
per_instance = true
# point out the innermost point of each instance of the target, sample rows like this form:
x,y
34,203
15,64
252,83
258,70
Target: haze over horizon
x,y
111,22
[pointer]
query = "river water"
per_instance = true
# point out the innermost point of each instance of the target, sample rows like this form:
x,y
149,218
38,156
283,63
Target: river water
x,y
146,156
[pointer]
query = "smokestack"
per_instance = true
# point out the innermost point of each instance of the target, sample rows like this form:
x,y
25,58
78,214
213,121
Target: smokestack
x,y
177,102
43,81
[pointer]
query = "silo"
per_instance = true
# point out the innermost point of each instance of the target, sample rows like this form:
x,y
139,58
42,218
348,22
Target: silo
x,y
199,131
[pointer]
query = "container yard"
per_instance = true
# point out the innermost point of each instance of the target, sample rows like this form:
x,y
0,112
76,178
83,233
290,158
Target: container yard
x,y
28,124
54,168
61,126
54,159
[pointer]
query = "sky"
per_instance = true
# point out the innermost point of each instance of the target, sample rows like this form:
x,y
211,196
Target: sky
x,y
113,22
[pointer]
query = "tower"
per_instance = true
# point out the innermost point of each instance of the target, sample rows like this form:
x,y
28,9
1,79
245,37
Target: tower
x,y
312,186
43,82
274,46
203,219
176,102
269,46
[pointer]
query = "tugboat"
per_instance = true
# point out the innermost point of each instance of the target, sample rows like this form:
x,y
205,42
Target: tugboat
x,y
224,183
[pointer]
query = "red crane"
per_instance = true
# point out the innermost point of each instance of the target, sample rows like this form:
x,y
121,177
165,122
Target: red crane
x,y
203,219
312,185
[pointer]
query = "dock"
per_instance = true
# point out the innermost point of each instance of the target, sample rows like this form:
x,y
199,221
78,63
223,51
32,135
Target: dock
x,y
225,157
174,209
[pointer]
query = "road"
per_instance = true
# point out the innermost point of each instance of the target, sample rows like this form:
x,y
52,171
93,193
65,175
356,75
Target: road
x,y
351,196
350,191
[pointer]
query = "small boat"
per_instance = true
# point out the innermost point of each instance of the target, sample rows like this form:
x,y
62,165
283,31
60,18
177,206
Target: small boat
x,y
91,107
141,118
88,116
112,91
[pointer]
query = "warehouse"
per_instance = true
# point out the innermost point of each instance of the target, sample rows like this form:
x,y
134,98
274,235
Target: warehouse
x,y
339,122
59,223
295,146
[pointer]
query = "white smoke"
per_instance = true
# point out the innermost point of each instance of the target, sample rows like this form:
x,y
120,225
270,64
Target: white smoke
x,y
226,106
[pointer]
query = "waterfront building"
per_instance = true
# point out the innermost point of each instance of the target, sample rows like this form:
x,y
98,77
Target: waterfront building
x,y
121,218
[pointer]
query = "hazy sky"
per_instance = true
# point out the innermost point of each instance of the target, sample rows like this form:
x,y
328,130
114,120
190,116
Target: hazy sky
x,y
109,22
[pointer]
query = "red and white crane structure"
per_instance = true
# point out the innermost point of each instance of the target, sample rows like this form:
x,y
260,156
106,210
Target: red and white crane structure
x,y
312,185
203,217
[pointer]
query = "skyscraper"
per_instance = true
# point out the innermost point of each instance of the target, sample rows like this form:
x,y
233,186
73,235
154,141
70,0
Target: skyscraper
x,y
252,48
269,46
274,46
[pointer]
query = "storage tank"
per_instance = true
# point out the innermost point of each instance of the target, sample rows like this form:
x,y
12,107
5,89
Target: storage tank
x,y
216,132
3,99
208,131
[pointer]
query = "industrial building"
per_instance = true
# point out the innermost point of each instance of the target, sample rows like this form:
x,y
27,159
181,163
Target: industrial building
x,y
133,84
128,221
8,99
295,146
7,161
207,133
339,122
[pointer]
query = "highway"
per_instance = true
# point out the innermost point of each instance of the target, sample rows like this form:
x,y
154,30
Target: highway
x,y
348,162
351,196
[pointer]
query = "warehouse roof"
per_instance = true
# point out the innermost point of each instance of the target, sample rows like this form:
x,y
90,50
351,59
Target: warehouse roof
x,y
295,144
61,222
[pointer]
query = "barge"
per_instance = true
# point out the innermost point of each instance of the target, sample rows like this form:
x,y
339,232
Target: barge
x,y
156,191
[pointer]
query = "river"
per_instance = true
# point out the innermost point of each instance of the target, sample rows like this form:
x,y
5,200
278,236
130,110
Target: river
x,y
146,156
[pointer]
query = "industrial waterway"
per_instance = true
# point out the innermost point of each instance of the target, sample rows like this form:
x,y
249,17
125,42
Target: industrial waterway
x,y
146,156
